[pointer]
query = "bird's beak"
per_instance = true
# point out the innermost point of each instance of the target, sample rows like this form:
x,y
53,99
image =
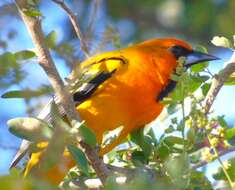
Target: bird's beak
x,y
196,57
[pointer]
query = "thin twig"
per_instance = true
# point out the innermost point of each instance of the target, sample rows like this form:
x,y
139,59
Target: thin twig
x,y
218,82
220,153
33,25
76,26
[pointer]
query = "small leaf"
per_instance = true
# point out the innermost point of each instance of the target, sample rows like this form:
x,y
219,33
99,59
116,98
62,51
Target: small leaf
x,y
221,42
162,150
200,78
171,108
144,141
175,77
32,129
178,170
230,167
172,140
23,55
222,122
86,134
230,133
231,80
27,93
205,88
168,100
138,158
170,129
80,158
191,135
32,12
51,39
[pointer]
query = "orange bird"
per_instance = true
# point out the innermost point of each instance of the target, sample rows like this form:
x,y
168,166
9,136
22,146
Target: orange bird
x,y
126,88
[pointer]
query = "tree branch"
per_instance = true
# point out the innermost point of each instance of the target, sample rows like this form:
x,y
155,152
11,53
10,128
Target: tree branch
x,y
218,82
33,25
76,26
221,153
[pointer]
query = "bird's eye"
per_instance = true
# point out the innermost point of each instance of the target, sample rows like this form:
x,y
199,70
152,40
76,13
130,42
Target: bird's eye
x,y
179,51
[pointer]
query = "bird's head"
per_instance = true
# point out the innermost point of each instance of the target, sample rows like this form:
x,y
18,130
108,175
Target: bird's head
x,y
180,48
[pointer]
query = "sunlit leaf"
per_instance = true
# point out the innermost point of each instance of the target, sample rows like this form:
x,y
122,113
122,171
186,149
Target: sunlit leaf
x,y
230,133
51,39
23,55
231,80
32,129
27,93
221,41
32,12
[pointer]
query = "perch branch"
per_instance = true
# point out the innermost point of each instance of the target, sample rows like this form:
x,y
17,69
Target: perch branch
x,y
217,83
33,25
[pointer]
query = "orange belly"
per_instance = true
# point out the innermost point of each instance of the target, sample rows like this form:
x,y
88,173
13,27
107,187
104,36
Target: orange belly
x,y
127,100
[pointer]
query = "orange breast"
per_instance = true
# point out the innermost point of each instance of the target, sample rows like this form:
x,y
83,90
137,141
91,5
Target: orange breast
x,y
129,98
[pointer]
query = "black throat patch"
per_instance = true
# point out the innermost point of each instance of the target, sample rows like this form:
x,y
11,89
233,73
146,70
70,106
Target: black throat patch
x,y
169,88
178,51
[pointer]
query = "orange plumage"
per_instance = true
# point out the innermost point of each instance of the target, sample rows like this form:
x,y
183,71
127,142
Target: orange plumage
x,y
128,97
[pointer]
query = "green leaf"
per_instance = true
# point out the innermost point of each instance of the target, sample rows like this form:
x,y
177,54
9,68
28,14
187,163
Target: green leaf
x,y
144,141
32,12
230,168
138,158
230,133
199,181
200,78
87,135
162,150
172,140
27,93
171,108
205,88
23,55
51,39
199,67
191,135
231,80
168,100
222,122
32,129
177,167
170,129
80,158
221,42
175,77
8,58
